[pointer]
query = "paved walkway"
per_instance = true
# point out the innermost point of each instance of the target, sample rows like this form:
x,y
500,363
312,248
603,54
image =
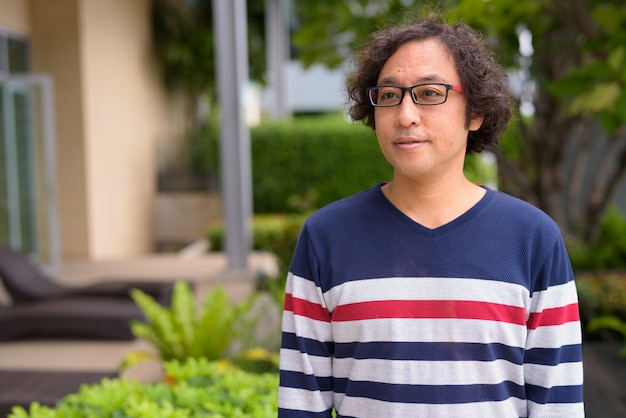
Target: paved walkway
x,y
605,380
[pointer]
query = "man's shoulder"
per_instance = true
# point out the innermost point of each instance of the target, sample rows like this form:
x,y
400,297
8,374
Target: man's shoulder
x,y
511,203
520,212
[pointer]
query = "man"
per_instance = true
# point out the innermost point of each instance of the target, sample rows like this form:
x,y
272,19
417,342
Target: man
x,y
430,296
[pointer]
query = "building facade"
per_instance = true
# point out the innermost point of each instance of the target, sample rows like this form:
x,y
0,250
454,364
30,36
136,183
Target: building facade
x,y
83,109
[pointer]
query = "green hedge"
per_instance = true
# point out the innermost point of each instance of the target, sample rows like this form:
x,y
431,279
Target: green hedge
x,y
307,162
194,388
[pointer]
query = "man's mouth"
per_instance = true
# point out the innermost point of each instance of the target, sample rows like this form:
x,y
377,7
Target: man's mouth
x,y
409,144
414,141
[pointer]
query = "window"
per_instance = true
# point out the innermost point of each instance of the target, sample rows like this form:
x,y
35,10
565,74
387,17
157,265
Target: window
x,y
13,54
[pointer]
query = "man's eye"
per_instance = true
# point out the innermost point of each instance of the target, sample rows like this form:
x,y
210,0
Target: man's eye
x,y
430,93
388,94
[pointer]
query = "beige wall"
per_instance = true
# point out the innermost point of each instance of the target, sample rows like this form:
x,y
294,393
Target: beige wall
x,y
125,116
111,110
14,16
55,50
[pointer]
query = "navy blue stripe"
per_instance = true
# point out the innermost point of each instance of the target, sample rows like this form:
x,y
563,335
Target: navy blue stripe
x,y
292,413
555,394
554,356
426,351
300,380
430,394
306,345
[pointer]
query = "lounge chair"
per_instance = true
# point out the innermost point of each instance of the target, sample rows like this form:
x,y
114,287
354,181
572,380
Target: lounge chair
x,y
25,282
102,318
44,308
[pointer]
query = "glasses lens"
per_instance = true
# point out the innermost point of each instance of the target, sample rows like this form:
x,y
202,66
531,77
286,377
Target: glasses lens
x,y
423,94
385,96
430,94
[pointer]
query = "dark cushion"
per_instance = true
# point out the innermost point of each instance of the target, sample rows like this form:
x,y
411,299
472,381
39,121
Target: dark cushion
x,y
26,282
76,317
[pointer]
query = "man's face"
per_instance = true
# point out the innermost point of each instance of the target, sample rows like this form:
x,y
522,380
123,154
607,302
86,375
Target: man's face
x,y
423,143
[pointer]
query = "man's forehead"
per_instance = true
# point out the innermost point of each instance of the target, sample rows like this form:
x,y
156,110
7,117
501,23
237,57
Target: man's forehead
x,y
422,61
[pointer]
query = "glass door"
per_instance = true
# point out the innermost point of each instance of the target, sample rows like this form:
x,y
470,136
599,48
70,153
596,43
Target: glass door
x,y
28,214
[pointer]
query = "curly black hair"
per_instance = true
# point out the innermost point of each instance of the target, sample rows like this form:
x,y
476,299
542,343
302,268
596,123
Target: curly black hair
x,y
485,84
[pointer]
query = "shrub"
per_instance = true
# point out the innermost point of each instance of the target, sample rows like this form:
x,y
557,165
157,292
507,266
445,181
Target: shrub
x,y
193,388
608,251
612,323
181,331
277,234
307,163
601,294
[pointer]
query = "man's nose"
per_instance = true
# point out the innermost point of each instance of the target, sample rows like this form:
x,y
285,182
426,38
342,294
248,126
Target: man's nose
x,y
408,112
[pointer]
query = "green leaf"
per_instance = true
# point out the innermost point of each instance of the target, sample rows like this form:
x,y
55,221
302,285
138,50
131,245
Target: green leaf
x,y
134,357
600,97
182,331
616,59
610,121
610,17
610,322
580,78
160,329
215,322
183,313
620,106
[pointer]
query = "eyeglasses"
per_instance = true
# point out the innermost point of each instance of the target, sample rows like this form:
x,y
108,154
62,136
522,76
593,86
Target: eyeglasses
x,y
422,94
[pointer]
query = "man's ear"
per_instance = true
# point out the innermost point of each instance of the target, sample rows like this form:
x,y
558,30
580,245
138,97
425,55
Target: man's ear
x,y
476,123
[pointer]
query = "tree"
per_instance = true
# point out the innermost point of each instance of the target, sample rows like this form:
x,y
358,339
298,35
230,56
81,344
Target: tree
x,y
183,42
568,155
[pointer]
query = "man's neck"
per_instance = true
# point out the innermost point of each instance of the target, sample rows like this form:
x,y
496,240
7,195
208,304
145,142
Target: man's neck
x,y
435,204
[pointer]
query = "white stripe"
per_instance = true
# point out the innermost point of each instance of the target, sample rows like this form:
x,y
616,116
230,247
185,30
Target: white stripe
x,y
366,408
576,410
554,336
430,330
304,400
306,328
429,372
563,374
555,297
305,289
293,360
424,288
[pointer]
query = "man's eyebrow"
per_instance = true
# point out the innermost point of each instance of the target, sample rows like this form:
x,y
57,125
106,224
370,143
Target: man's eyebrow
x,y
424,79
388,80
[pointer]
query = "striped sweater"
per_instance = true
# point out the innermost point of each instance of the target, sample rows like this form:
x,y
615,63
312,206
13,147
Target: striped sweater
x,y
386,318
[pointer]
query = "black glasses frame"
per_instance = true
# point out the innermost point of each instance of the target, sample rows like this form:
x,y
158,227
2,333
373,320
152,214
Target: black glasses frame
x,y
448,87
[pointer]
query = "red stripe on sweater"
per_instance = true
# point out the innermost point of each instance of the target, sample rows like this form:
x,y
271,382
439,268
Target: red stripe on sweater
x,y
553,316
302,307
430,309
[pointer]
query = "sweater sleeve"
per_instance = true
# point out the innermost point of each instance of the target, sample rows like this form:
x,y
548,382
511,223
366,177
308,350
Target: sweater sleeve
x,y
553,356
306,350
